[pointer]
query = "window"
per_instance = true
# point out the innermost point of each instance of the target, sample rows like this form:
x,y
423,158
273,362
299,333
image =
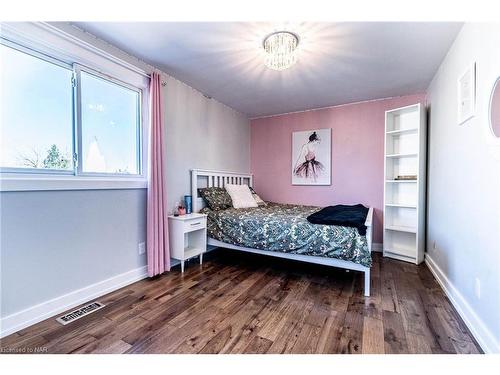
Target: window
x,y
110,131
37,113
60,118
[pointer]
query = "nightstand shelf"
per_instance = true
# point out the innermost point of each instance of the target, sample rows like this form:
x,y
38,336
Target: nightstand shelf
x,y
188,237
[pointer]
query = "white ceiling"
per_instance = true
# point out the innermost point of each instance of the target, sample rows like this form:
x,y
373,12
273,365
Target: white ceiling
x,y
338,63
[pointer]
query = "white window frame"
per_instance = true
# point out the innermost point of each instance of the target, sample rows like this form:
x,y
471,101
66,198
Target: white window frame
x,y
31,179
78,124
13,171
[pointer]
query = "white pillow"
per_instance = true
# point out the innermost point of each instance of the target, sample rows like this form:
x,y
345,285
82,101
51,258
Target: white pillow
x,y
241,196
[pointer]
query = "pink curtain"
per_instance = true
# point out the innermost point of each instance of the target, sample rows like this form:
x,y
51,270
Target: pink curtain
x,y
157,223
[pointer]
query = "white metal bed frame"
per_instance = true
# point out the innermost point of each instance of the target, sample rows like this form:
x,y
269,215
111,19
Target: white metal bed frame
x,y
221,178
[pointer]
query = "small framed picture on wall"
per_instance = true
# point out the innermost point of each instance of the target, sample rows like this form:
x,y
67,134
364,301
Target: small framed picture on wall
x,y
467,94
311,157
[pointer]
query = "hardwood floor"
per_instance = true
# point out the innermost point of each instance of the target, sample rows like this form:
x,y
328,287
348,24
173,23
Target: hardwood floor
x,y
245,303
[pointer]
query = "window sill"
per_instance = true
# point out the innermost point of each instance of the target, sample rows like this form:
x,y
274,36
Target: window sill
x,y
69,183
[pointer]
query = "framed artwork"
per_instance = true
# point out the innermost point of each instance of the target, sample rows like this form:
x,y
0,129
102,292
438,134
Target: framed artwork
x,y
467,94
311,157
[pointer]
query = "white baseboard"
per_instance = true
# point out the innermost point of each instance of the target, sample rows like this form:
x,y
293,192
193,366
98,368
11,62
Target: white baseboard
x,y
377,247
22,319
478,329
32,315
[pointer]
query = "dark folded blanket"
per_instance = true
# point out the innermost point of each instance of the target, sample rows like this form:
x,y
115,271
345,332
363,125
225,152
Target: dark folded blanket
x,y
343,215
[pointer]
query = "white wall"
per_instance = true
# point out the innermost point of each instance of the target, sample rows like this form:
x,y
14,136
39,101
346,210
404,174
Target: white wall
x,y
464,185
201,133
54,244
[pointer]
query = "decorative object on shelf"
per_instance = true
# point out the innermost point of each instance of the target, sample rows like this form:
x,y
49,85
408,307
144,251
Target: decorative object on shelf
x,y
311,157
495,109
281,50
467,94
188,202
406,177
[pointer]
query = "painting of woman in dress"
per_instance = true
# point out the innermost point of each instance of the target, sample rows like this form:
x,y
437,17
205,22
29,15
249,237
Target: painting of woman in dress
x,y
311,157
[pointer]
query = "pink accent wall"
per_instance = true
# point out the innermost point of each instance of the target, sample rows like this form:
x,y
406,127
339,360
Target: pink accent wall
x,y
357,155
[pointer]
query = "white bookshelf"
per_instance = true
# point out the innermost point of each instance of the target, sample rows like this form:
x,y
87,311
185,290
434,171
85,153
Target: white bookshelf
x,y
404,200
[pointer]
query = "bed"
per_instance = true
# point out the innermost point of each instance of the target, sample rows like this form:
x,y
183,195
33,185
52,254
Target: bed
x,y
282,230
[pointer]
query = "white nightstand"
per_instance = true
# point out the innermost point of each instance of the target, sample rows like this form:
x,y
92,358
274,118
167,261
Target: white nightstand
x,y
188,236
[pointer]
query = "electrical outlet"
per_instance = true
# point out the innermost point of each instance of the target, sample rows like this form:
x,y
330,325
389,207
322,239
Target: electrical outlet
x,y
477,288
434,246
142,248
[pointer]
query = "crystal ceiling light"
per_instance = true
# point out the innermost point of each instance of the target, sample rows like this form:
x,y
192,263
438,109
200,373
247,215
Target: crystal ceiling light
x,y
281,50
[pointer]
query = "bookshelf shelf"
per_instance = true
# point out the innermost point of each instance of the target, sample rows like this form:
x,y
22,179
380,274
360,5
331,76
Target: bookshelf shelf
x,y
404,131
401,228
402,205
401,155
401,181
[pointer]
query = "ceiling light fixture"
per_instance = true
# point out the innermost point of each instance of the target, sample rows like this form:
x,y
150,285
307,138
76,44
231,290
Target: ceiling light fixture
x,y
281,50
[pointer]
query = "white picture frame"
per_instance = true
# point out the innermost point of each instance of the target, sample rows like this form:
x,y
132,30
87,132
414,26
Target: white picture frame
x,y
466,89
311,157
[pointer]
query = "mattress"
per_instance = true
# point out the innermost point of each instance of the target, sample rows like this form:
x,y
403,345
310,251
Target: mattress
x,y
284,228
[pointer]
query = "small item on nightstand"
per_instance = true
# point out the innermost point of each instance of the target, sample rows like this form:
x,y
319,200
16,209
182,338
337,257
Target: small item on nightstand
x,y
176,209
181,209
188,203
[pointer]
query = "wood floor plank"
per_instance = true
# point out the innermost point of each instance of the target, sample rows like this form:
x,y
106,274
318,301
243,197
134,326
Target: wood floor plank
x,y
167,338
460,340
117,347
111,336
245,303
288,335
329,338
373,336
71,345
389,297
438,338
222,322
223,328
307,340
394,334
278,320
258,345
418,344
351,339
204,300
269,298
161,318
217,343
233,321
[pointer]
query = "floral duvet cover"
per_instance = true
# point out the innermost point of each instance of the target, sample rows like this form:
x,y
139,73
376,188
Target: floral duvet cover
x,y
284,228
